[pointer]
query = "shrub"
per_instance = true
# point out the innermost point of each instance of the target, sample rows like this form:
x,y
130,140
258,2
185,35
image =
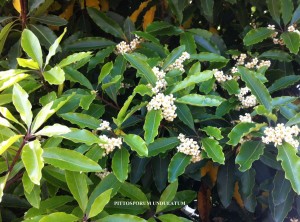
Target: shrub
x,y
135,109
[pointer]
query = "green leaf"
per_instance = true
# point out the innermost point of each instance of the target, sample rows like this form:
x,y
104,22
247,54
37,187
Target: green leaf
x,y
33,160
3,180
4,33
171,218
52,20
76,57
163,28
55,76
185,115
231,86
45,35
28,63
192,80
257,88
78,186
152,122
280,212
225,182
208,9
137,144
11,81
122,218
213,131
59,216
22,104
89,43
276,55
69,160
238,131
292,41
100,203
110,181
168,195
187,39
105,23
120,164
34,197
177,166
290,163
281,189
294,120
53,47
31,45
47,111
171,58
4,145
77,136
296,15
200,100
257,35
287,8
143,68
274,9
27,183
112,82
283,83
249,152
76,76
54,130
105,70
133,192
213,150
209,57
161,145
82,120
177,8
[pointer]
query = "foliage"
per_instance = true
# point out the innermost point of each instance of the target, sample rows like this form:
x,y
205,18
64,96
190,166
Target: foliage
x,y
104,103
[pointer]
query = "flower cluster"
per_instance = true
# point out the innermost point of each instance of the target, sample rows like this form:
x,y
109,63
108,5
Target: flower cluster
x,y
271,27
104,126
220,77
124,47
178,62
161,83
246,118
292,28
103,174
281,133
246,100
251,64
189,147
165,103
110,144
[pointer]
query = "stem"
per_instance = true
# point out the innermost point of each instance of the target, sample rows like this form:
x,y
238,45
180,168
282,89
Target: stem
x,y
23,14
107,102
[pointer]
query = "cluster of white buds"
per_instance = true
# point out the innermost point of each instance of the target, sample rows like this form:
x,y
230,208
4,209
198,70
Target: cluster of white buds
x,y
104,126
161,83
246,118
262,63
240,60
125,85
292,28
271,27
124,47
220,77
110,144
252,64
234,70
189,147
103,174
166,104
246,100
281,133
178,62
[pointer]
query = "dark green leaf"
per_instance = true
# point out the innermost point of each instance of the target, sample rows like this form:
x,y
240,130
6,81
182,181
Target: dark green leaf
x,y
185,115
274,7
200,100
82,120
4,33
276,55
177,166
237,132
292,41
168,195
122,218
257,35
287,8
76,76
162,145
213,150
175,54
89,43
50,20
152,122
283,83
137,144
120,164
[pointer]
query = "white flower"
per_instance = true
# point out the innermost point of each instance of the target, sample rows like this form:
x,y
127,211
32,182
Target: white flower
x,y
161,83
246,118
220,77
178,62
262,63
234,70
247,101
104,126
291,28
271,27
166,104
281,133
110,143
189,147
123,47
